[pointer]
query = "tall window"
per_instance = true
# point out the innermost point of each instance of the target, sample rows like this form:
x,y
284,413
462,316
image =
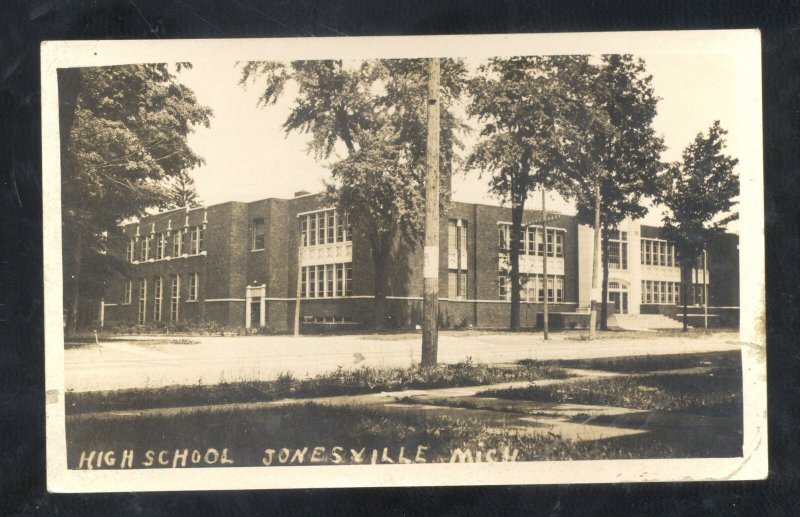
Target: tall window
x,y
177,243
457,245
158,296
324,227
259,237
196,242
340,280
142,301
339,227
618,249
321,219
161,246
145,249
312,229
174,298
304,230
130,250
330,281
657,252
503,290
128,288
348,279
503,235
194,283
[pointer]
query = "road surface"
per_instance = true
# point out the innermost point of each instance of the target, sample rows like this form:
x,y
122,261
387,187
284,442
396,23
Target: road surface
x,y
157,361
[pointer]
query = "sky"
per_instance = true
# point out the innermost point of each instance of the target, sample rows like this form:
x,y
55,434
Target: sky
x,y
249,156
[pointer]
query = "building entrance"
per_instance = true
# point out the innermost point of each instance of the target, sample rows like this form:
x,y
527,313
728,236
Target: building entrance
x,y
618,295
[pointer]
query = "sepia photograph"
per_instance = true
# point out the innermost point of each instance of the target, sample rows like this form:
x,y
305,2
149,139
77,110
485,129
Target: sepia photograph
x,y
404,261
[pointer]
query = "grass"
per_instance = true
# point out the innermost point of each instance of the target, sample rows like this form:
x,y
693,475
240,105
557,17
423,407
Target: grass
x,y
652,363
247,433
340,382
715,391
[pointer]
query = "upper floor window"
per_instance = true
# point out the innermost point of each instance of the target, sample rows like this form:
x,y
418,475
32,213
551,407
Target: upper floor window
x,y
196,241
324,227
161,245
145,249
259,234
532,240
129,251
177,243
657,252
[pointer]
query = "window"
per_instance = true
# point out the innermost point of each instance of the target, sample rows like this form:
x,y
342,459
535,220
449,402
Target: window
x,y
559,244
503,236
303,282
196,241
670,297
194,283
312,230
142,301
158,295
617,249
177,243
175,296
339,280
145,249
457,284
259,237
540,242
348,228
128,288
530,243
330,281
321,227
331,226
550,239
452,235
503,291
312,281
130,251
348,283
161,245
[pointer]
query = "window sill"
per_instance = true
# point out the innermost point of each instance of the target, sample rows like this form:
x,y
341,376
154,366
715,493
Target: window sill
x,y
258,249
192,301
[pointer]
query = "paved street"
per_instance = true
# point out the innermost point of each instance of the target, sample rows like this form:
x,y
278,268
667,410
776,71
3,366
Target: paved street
x,y
155,361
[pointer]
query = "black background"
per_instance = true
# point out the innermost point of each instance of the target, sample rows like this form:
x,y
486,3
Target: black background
x,y
22,440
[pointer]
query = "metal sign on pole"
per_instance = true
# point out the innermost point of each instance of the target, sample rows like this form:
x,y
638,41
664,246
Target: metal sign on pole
x,y
430,300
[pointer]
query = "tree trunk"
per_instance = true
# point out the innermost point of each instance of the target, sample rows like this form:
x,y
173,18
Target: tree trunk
x,y
604,305
72,324
595,259
685,276
513,253
380,255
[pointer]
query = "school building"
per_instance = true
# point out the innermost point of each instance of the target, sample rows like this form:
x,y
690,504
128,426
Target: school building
x,y
241,264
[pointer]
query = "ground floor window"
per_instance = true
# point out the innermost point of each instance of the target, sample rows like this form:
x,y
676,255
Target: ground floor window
x,y
456,284
158,294
194,282
533,288
174,299
142,301
326,280
659,292
128,291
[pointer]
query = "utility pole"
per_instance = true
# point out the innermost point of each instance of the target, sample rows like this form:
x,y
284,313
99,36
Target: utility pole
x,y
430,300
595,262
705,290
545,323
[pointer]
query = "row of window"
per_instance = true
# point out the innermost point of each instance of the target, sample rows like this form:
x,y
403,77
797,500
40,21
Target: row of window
x,y
161,245
533,288
158,296
532,242
667,293
324,227
657,252
327,280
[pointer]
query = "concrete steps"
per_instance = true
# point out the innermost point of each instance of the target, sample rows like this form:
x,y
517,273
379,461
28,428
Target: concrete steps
x,y
644,322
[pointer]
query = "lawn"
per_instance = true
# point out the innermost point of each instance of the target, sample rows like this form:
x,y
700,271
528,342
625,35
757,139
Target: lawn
x,y
340,382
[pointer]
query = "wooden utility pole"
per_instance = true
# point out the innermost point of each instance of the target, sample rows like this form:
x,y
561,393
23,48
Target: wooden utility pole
x,y
430,300
595,262
705,290
545,323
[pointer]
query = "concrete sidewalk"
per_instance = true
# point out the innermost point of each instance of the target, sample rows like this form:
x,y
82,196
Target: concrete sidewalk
x,y
162,360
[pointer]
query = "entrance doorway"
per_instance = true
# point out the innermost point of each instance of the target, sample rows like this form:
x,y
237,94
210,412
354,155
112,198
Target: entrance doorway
x,y
618,295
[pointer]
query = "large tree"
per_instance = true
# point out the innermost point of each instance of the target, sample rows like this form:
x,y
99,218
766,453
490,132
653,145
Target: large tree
x,y
623,150
124,132
699,193
376,110
524,107
181,192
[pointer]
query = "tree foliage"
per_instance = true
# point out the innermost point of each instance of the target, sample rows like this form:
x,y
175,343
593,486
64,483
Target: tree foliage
x,y
181,192
530,135
699,193
376,109
124,133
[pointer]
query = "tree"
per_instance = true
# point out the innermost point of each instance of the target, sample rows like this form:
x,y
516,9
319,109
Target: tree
x,y
181,192
523,106
376,110
627,157
699,193
124,132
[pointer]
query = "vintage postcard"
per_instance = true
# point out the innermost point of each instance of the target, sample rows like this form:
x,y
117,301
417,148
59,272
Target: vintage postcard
x,y
404,261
